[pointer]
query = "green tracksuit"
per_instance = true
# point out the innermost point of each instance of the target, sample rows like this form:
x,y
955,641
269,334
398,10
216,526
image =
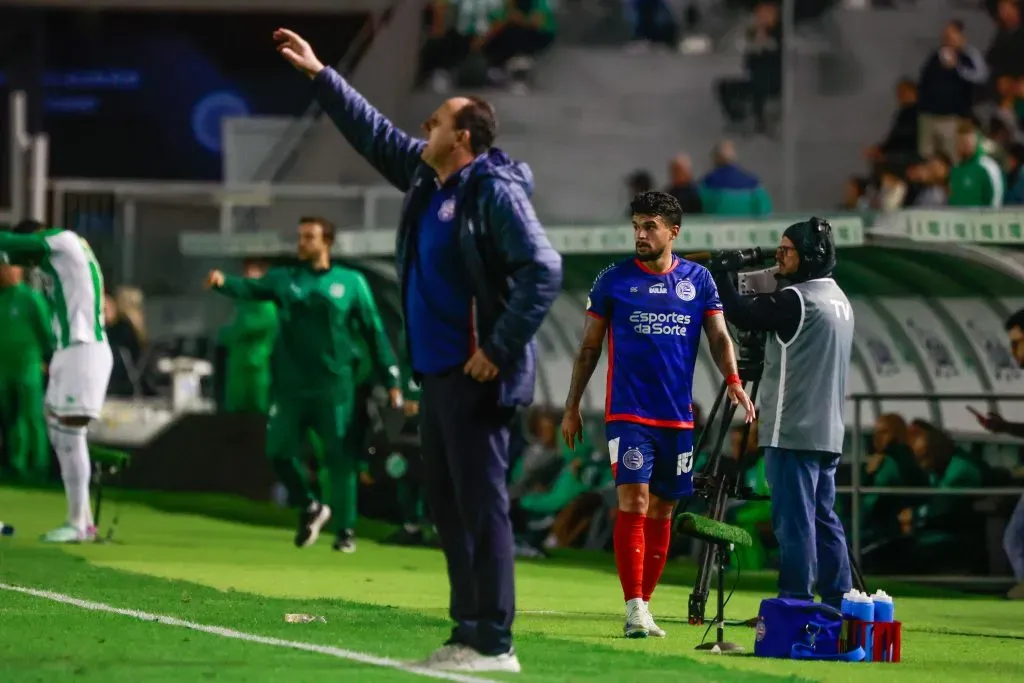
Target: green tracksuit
x,y
26,342
314,363
409,489
250,341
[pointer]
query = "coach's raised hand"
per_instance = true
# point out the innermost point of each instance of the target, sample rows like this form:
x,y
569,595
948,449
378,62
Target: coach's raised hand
x,y
298,52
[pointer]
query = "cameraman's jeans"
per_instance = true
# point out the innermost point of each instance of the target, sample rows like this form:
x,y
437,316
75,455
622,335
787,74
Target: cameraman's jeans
x,y
1013,540
812,545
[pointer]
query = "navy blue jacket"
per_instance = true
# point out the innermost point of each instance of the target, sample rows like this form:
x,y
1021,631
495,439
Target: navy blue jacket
x,y
516,273
950,92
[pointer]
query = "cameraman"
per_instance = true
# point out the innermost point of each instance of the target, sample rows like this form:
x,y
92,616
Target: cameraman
x,y
803,394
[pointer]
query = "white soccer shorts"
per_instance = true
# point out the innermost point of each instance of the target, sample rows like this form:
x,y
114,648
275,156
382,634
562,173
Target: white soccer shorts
x,y
79,376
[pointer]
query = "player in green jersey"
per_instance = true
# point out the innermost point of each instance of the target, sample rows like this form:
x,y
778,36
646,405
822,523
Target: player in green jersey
x,y
250,341
82,361
26,343
321,309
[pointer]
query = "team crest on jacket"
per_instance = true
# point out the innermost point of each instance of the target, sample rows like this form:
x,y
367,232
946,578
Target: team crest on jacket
x,y
337,290
685,290
447,210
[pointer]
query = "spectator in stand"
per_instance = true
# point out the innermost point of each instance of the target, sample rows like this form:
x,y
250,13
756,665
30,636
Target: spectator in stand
x,y
900,142
1003,113
1005,56
976,180
762,60
126,333
946,90
892,190
653,25
681,185
528,30
459,30
729,190
931,177
638,182
1014,164
855,195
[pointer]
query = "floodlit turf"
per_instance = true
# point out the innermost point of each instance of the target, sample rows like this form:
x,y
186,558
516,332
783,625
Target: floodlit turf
x,y
389,602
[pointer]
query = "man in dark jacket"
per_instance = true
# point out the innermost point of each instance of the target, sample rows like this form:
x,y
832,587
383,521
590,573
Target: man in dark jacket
x,y
477,275
945,90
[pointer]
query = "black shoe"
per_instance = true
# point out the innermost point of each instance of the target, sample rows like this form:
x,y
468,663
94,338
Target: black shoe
x,y
345,541
404,536
311,521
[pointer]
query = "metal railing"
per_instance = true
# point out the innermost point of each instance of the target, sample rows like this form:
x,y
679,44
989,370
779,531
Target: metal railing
x,y
857,458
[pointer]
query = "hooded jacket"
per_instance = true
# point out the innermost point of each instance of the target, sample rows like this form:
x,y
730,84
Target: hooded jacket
x,y
515,272
731,191
976,181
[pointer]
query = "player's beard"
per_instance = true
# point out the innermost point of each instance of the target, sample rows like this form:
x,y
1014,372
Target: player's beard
x,y
651,254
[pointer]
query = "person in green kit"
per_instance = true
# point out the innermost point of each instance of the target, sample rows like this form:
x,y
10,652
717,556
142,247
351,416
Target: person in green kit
x,y
249,341
322,308
26,343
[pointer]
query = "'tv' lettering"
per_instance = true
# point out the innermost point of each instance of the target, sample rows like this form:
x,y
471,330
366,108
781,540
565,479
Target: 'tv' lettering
x,y
842,308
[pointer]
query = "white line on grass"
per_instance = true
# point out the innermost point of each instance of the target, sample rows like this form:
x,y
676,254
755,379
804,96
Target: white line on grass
x,y
165,620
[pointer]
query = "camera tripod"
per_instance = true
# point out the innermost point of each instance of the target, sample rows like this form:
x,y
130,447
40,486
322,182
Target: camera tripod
x,y
718,486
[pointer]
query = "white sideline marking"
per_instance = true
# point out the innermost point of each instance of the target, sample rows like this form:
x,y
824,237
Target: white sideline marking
x,y
248,637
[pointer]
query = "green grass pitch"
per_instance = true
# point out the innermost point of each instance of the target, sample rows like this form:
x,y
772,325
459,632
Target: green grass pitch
x,y
230,564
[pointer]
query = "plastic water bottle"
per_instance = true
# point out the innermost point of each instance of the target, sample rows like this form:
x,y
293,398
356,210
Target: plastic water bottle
x,y
884,609
884,612
864,610
846,606
6,529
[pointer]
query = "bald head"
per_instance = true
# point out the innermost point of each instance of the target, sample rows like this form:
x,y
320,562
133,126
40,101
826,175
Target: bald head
x,y
889,429
724,153
680,170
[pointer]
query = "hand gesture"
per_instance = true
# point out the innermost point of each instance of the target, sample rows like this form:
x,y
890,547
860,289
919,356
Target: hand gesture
x,y
297,51
572,427
396,397
739,398
215,279
992,422
480,367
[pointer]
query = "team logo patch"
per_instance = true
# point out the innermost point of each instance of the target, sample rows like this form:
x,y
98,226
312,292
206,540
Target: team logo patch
x,y
761,629
588,303
447,210
633,459
658,288
337,290
685,290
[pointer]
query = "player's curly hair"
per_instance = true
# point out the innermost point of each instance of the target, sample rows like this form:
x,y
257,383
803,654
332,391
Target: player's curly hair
x,y
660,204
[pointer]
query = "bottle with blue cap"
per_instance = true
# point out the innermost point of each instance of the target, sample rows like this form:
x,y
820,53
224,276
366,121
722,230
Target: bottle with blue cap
x,y
859,606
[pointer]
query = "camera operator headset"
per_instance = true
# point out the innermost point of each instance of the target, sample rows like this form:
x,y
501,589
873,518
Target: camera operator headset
x,y
803,395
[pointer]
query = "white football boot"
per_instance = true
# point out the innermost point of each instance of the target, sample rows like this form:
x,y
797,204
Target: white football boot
x,y
636,619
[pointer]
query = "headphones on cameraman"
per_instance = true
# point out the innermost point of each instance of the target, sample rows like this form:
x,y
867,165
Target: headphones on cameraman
x,y
821,232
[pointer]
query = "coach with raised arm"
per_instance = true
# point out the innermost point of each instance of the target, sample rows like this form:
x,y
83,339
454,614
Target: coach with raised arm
x,y
477,276
803,394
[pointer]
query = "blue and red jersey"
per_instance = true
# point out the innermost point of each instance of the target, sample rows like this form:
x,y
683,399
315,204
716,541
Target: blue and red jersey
x,y
654,327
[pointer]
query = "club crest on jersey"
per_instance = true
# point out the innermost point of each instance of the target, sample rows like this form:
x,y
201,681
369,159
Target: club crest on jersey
x,y
633,459
337,290
658,288
685,290
447,210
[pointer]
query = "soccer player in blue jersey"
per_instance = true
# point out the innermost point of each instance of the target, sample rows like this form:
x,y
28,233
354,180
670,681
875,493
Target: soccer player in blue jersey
x,y
652,309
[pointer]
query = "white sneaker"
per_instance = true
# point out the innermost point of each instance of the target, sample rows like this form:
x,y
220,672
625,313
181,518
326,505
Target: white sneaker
x,y
636,619
652,627
464,658
70,534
